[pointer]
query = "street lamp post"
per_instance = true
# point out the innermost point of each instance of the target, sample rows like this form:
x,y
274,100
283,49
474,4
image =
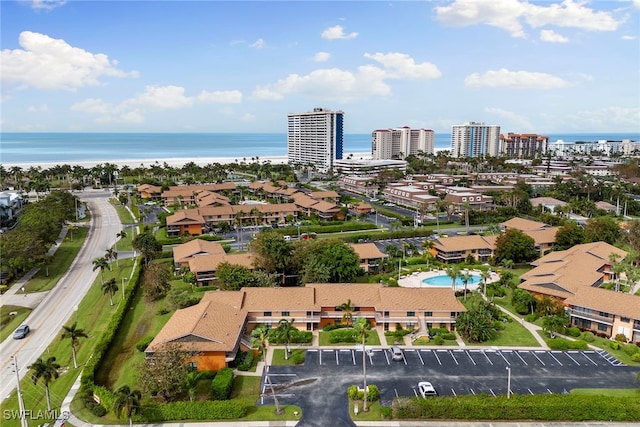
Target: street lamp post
x,y
508,382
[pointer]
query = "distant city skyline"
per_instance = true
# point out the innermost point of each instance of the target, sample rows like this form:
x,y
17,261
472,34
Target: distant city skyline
x,y
211,66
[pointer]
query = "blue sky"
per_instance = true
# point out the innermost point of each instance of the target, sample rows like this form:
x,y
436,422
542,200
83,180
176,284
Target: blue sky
x,y
213,66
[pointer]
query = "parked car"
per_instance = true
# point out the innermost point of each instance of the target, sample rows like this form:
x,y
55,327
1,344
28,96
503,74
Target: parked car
x,y
396,353
426,389
21,332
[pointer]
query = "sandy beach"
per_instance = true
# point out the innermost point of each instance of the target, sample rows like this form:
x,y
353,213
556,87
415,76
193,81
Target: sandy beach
x,y
173,162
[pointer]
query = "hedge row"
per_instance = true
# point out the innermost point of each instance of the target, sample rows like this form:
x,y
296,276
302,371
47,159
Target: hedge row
x,y
358,394
343,226
221,384
343,335
215,410
521,407
297,337
105,342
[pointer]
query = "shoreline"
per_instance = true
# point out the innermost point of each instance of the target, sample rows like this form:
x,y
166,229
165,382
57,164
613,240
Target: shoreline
x,y
171,161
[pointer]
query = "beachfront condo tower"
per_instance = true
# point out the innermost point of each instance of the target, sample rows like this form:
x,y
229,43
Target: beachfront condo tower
x,y
523,145
315,138
398,143
475,139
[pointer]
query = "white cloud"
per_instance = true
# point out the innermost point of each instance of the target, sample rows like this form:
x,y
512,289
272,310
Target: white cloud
x,y
552,37
514,119
52,64
47,4
38,108
514,79
321,56
605,119
154,98
258,44
629,37
248,117
400,65
337,32
262,93
510,15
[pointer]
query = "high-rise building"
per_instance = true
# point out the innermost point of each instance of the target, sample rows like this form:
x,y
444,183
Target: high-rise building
x,y
475,139
398,143
315,138
523,145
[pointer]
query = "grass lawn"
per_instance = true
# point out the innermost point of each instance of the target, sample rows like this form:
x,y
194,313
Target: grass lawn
x,y
60,263
247,388
123,213
372,339
93,316
9,323
617,392
373,414
278,356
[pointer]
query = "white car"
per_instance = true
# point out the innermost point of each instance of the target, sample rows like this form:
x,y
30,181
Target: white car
x,y
426,389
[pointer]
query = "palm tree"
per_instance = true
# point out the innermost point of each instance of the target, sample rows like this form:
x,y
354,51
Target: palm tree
x,y
347,312
111,254
46,261
102,264
507,263
465,277
110,287
453,272
191,382
73,333
127,400
121,235
259,339
48,371
485,276
554,325
362,327
285,330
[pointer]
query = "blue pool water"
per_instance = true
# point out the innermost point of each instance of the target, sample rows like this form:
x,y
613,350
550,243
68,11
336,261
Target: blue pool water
x,y
445,280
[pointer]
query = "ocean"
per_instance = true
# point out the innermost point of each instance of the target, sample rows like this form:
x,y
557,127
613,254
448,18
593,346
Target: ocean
x,y
64,148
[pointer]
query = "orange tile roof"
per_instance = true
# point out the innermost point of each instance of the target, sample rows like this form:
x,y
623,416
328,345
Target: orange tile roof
x,y
206,263
523,224
367,251
612,302
185,217
196,247
463,243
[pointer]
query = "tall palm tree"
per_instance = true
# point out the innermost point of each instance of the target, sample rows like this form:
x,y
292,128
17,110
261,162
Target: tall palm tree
x,y
259,339
362,327
121,235
111,254
47,370
453,272
102,264
74,334
191,382
285,330
507,263
347,312
46,261
110,287
486,275
465,277
127,400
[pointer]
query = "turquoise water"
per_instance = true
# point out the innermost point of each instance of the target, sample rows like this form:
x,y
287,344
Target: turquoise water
x,y
445,280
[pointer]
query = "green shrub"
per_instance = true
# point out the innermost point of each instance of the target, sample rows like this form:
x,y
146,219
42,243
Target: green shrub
x,y
354,394
215,410
328,328
587,336
424,340
343,335
621,337
297,358
247,361
578,345
531,317
438,340
614,345
144,343
630,349
558,344
99,411
448,336
635,357
221,384
573,332
207,375
386,412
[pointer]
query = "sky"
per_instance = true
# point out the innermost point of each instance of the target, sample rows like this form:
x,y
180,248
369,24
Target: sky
x,y
239,66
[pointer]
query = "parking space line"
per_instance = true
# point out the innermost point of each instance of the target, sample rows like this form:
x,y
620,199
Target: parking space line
x,y
472,392
437,358
386,356
536,356
454,392
454,358
353,356
337,358
569,356
491,390
471,358
550,392
530,392
505,359
420,356
414,392
487,356
523,361
584,353
555,358
370,354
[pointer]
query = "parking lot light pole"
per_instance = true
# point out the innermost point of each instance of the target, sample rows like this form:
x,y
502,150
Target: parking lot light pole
x,y
508,382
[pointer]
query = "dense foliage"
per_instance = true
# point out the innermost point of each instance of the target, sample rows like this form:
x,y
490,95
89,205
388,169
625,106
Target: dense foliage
x,y
516,246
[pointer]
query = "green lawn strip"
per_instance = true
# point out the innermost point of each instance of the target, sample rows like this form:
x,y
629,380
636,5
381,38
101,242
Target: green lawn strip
x,y
373,414
123,214
92,315
11,322
392,339
372,339
60,263
278,358
247,388
621,392
604,344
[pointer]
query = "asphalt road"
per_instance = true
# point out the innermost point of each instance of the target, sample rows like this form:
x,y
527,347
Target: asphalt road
x,y
319,386
56,308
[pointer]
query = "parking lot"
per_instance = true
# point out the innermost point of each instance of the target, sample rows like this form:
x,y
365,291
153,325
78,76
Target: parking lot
x,y
327,373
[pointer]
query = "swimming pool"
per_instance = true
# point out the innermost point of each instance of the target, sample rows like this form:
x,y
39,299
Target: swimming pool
x,y
445,280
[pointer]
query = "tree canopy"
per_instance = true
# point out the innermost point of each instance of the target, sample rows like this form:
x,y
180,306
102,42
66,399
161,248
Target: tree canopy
x,y
569,235
602,229
516,246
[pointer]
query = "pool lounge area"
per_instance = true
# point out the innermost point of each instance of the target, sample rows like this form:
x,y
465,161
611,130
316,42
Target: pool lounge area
x,y
440,279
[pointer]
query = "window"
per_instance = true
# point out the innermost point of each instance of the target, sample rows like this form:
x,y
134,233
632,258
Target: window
x,y
386,327
267,325
309,314
411,313
267,314
602,327
285,314
411,325
624,319
193,366
308,326
429,325
386,314
428,313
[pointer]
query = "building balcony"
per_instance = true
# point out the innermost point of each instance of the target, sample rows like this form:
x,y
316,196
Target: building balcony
x,y
590,316
275,319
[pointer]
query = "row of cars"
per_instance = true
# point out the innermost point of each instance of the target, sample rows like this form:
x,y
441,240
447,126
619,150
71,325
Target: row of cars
x,y
425,388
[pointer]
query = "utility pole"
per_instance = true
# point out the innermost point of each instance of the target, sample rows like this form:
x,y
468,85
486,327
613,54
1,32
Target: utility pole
x,y
23,415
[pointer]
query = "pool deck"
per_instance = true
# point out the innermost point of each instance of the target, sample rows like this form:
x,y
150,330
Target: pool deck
x,y
414,280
